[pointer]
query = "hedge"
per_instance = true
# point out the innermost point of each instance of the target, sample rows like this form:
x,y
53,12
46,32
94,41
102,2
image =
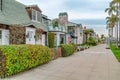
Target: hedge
x,y
19,58
67,49
51,39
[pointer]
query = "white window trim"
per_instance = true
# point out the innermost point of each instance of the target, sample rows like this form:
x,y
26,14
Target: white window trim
x,y
36,15
0,5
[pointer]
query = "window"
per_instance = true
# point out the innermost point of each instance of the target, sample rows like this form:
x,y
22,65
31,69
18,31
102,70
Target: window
x,y
36,16
29,34
39,17
33,15
0,4
0,34
81,34
0,37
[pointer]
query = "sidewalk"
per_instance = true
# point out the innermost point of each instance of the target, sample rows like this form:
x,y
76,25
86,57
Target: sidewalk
x,y
96,63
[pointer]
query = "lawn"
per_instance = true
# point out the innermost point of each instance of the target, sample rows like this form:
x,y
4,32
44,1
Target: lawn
x,y
115,51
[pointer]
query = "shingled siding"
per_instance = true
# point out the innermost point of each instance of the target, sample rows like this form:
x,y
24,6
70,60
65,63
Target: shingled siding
x,y
3,26
17,34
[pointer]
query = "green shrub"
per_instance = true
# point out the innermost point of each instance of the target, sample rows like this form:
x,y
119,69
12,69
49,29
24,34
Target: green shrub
x,y
51,39
19,58
99,41
67,49
92,41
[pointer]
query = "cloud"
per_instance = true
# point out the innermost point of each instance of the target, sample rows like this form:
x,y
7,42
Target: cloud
x,y
77,9
99,29
85,11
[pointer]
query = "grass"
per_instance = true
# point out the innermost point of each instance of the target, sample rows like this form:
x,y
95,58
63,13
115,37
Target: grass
x,y
115,51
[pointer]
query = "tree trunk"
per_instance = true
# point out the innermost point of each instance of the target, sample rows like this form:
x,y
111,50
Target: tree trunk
x,y
86,38
119,20
117,25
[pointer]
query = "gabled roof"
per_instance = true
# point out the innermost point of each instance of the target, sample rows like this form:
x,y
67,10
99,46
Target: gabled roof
x,y
13,12
37,25
35,7
71,24
74,24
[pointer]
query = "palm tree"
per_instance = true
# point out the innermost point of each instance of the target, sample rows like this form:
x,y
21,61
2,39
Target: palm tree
x,y
111,10
117,3
113,17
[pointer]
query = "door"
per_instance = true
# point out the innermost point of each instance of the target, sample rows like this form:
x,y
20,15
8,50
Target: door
x,y
30,35
0,37
5,37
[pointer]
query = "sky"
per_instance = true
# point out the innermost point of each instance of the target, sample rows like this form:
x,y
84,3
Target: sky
x,y
90,13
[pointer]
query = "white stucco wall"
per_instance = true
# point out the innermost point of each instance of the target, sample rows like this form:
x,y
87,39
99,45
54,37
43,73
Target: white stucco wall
x,y
79,36
58,39
43,39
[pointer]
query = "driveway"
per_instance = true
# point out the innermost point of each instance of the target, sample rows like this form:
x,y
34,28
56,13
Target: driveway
x,y
96,63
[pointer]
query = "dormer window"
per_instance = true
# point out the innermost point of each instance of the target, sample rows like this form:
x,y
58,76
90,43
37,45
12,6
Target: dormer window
x,y
36,16
0,5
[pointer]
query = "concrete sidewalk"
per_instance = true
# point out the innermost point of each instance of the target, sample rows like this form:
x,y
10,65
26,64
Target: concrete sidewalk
x,y
96,63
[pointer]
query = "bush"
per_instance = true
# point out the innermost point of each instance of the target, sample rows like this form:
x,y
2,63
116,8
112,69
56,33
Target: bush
x,y
67,49
92,41
19,58
51,39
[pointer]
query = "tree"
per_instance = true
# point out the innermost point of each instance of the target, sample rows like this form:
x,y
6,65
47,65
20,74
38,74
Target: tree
x,y
117,2
111,8
86,32
111,20
103,37
55,23
113,16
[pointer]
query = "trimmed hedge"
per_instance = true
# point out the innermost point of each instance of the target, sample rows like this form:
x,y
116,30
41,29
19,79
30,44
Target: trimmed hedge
x,y
67,49
51,39
19,58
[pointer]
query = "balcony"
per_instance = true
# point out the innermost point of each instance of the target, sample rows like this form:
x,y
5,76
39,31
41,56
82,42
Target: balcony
x,y
59,29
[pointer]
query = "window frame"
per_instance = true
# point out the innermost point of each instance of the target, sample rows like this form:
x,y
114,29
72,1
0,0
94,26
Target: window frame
x,y
0,5
0,34
37,15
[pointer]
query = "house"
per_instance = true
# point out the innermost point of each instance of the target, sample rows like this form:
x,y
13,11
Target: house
x,y
59,31
37,20
90,34
76,32
21,24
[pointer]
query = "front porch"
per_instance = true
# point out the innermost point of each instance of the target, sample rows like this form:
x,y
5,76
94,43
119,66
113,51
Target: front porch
x,y
60,38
